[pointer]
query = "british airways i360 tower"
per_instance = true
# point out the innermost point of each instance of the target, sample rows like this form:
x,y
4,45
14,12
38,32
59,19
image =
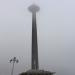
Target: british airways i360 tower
x,y
34,59
34,65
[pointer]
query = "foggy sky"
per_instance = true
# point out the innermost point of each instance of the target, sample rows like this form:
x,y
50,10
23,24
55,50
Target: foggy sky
x,y
56,35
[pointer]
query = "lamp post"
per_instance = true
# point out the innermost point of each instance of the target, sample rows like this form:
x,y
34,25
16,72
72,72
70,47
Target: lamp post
x,y
13,61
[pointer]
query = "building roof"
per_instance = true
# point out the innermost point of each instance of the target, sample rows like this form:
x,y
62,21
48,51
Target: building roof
x,y
37,72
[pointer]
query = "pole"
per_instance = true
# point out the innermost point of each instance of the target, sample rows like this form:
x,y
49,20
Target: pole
x,y
12,68
13,60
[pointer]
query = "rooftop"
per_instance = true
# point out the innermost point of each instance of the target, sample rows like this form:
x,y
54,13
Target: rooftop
x,y
31,72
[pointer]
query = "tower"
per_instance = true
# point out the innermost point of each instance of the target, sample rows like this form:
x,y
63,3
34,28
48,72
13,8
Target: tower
x,y
34,64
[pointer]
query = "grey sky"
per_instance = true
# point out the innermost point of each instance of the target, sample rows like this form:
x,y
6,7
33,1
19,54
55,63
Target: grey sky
x,y
56,38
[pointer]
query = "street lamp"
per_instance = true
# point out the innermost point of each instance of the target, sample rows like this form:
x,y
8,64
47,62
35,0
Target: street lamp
x,y
13,60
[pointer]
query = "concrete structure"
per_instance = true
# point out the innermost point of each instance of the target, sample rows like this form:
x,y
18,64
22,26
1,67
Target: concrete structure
x,y
33,9
34,64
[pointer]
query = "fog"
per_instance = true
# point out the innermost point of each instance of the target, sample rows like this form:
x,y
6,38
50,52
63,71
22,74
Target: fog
x,y
56,35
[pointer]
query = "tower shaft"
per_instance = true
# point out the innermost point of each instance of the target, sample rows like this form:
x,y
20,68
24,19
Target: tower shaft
x,y
34,43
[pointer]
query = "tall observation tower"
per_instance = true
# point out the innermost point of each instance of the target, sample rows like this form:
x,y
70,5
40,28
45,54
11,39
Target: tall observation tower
x,y
33,9
34,62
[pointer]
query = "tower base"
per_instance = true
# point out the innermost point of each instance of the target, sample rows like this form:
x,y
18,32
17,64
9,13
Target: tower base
x,y
37,72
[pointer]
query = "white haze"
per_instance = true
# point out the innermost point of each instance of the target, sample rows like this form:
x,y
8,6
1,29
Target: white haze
x,y
56,35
